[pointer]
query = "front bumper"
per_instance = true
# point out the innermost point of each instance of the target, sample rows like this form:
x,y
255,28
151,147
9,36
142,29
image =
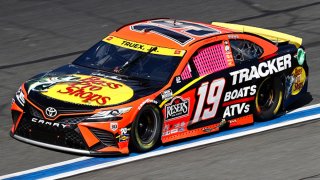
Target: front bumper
x,y
61,148
81,138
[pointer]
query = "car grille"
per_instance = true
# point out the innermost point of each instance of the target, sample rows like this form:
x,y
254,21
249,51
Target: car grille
x,y
67,137
33,111
71,120
15,115
105,137
65,120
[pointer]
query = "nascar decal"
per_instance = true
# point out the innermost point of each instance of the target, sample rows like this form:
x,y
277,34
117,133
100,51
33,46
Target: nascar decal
x,y
166,95
262,70
86,90
299,75
178,107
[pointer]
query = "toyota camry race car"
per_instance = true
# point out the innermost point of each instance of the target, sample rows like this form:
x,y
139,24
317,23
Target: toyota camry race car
x,y
161,80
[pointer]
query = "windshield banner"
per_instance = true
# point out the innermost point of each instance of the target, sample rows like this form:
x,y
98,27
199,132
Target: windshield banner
x,y
143,47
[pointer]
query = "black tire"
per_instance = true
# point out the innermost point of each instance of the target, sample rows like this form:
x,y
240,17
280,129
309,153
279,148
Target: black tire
x,y
268,99
146,129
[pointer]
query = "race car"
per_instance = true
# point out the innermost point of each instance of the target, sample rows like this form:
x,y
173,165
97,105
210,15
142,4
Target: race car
x,y
161,80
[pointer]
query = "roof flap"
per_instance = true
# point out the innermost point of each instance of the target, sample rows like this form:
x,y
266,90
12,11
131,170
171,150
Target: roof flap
x,y
266,33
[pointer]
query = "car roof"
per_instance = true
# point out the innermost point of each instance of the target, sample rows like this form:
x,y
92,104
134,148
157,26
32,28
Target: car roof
x,y
170,33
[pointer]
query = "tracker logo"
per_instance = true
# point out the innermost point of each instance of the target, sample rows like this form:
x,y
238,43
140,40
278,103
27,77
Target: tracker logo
x,y
179,107
262,70
48,123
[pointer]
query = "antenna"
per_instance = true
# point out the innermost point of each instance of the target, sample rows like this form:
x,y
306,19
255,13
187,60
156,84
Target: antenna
x,y
148,29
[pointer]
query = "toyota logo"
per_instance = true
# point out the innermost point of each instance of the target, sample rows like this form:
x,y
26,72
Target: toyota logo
x,y
51,112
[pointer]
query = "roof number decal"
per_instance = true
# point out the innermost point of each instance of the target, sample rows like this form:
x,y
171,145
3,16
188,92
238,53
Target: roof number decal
x,y
175,36
191,28
180,32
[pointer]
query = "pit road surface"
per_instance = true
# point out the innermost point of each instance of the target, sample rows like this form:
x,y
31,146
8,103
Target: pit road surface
x,y
40,35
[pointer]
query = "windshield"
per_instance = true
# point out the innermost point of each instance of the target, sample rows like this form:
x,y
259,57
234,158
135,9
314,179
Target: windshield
x,y
116,59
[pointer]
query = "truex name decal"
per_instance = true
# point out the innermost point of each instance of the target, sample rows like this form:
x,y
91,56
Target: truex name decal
x,y
178,107
262,70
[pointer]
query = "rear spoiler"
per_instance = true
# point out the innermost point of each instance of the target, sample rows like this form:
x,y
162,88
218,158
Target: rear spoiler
x,y
274,36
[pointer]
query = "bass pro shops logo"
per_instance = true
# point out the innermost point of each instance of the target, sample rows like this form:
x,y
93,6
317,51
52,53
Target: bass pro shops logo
x,y
86,90
178,107
299,76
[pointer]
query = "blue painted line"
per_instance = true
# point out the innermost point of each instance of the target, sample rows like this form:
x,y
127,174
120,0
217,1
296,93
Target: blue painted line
x,y
100,160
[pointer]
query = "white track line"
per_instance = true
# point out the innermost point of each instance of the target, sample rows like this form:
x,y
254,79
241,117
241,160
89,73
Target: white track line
x,y
181,147
44,167
305,108
159,152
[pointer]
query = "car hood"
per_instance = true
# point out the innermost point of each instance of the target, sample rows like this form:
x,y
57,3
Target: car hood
x,y
73,87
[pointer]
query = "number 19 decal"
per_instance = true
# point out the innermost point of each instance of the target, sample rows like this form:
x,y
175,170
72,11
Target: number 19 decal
x,y
212,98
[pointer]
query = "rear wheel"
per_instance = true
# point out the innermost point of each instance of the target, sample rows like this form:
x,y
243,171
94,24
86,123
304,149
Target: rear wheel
x,y
145,130
268,99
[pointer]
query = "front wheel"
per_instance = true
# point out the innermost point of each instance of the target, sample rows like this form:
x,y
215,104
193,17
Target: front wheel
x,y
268,99
146,128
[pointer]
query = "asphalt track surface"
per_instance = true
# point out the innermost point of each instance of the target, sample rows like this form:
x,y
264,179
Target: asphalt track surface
x,y
40,35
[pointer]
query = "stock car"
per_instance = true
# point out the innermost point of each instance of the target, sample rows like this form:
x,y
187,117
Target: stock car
x,y
161,80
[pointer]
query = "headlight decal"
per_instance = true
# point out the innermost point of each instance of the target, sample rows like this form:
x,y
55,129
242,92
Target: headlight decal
x,y
20,97
110,114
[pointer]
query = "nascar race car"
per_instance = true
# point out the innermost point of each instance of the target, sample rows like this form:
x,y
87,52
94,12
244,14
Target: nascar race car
x,y
161,80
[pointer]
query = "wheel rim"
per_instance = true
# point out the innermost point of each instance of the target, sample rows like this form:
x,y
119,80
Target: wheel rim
x,y
147,126
266,96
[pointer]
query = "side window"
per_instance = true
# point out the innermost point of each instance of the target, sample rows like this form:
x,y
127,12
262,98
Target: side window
x,y
211,59
186,73
245,51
